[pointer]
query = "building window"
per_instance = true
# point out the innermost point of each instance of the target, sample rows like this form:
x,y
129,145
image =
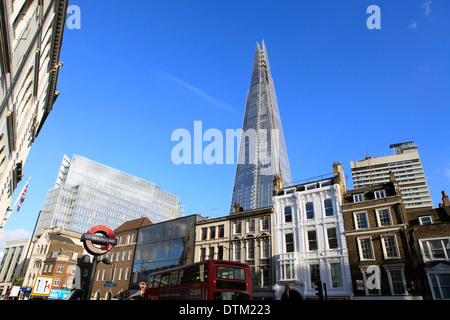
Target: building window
x,y
212,233
365,248
237,228
397,282
220,253
127,273
130,254
314,274
202,254
60,268
440,285
251,226
379,194
265,251
289,242
251,250
221,231
426,220
312,240
288,214
265,277
121,272
328,207
204,233
435,249
358,197
237,251
361,221
332,238
384,217
287,270
309,210
390,249
211,253
336,275
265,224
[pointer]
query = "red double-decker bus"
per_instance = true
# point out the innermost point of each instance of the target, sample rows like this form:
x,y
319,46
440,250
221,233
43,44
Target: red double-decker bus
x,y
206,280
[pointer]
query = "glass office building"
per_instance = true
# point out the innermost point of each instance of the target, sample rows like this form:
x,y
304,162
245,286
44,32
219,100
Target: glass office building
x,y
262,151
164,245
88,193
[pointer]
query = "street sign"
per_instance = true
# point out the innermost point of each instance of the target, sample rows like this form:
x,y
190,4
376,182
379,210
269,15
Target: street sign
x,y
99,235
142,285
42,285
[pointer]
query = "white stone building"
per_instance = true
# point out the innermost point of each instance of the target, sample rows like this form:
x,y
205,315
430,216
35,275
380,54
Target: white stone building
x,y
309,240
31,34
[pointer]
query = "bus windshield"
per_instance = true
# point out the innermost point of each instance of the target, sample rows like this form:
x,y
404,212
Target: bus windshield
x,y
230,273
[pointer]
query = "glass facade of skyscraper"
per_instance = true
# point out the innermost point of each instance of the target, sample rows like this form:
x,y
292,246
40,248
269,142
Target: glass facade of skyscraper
x,y
87,193
262,151
164,245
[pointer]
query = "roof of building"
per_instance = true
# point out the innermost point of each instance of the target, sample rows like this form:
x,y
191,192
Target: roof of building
x,y
134,224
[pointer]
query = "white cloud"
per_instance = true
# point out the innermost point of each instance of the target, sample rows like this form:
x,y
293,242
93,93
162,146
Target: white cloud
x,y
447,171
413,25
427,7
202,94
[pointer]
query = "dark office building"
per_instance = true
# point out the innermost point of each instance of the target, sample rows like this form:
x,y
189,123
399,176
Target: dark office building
x,y
164,245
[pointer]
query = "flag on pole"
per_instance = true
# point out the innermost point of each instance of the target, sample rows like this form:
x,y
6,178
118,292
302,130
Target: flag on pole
x,y
22,198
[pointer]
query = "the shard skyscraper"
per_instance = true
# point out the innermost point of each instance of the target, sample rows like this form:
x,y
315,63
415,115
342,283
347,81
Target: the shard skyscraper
x,y
262,151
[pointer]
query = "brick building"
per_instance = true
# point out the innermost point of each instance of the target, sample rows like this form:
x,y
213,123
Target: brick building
x,y
430,240
112,281
60,254
378,243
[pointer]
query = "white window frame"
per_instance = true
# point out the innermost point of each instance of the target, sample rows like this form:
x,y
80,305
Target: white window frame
x,y
383,245
378,211
358,197
421,219
355,214
389,269
379,194
424,245
361,257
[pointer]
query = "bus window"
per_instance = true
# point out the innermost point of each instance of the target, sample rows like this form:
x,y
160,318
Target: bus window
x,y
230,273
150,282
180,277
203,273
173,278
188,276
156,281
164,280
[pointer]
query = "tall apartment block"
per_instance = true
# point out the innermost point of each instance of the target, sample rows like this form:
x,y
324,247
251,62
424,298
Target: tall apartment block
x,y
31,34
407,168
262,151
88,193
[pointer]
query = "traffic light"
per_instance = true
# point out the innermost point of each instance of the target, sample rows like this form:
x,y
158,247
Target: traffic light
x,y
319,289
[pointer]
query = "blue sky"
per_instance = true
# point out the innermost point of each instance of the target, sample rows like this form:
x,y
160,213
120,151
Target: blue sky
x,y
134,73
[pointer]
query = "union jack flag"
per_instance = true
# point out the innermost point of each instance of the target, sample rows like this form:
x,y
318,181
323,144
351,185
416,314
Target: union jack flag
x,y
22,198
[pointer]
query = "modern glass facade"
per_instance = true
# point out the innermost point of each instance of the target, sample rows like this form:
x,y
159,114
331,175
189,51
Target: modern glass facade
x,y
87,193
164,245
262,152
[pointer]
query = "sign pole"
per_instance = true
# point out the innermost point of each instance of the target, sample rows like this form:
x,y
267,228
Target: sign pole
x,y
91,283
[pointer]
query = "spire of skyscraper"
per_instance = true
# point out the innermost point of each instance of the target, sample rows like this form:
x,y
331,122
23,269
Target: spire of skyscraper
x,y
262,151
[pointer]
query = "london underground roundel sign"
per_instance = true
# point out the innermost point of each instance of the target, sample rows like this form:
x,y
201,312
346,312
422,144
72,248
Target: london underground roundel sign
x,y
99,240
